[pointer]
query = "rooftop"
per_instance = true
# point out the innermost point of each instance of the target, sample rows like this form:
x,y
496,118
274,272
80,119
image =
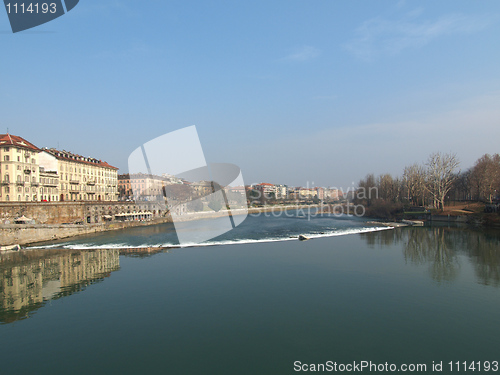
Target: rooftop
x,y
16,141
68,156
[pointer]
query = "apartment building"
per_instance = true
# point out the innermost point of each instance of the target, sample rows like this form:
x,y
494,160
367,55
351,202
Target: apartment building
x,y
19,171
81,178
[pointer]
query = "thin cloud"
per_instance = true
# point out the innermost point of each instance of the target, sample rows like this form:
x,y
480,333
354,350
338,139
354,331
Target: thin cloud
x,y
304,53
381,36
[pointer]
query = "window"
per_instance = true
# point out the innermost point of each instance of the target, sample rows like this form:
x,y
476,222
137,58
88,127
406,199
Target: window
x,y
33,161
18,158
6,178
6,158
18,167
7,189
7,149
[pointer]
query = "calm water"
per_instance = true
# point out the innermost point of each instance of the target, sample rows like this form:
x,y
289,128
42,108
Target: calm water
x,y
402,296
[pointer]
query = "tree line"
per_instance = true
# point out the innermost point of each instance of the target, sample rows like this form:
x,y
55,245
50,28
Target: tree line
x,y
434,182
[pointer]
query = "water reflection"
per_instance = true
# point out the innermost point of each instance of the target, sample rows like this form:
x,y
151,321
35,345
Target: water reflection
x,y
29,279
441,247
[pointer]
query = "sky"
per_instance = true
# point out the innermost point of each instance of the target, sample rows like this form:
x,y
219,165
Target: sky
x,y
316,92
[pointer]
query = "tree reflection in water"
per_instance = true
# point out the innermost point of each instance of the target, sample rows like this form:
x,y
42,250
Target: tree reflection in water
x,y
442,247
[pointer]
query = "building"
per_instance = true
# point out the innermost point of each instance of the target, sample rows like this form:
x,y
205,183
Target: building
x,y
320,193
80,178
124,187
19,170
140,186
203,188
333,194
267,190
281,191
49,185
307,193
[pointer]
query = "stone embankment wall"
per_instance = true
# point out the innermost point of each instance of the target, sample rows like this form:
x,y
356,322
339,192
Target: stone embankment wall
x,y
72,212
23,234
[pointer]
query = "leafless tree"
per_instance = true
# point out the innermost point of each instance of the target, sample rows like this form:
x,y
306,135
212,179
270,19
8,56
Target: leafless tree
x,y
440,176
485,176
414,183
367,190
462,187
387,187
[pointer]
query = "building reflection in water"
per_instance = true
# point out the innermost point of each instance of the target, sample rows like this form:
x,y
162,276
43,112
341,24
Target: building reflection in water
x,y
441,248
29,279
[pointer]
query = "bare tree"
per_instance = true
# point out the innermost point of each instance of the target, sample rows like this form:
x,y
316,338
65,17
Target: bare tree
x,y
462,187
387,187
440,176
367,190
414,183
485,176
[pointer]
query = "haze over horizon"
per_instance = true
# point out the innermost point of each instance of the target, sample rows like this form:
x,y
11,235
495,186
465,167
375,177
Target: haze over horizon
x,y
292,92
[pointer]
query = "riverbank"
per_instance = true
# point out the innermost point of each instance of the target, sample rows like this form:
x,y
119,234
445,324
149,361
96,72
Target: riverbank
x,y
468,213
29,234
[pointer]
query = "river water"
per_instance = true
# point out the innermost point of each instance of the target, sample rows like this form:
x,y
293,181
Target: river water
x,y
255,302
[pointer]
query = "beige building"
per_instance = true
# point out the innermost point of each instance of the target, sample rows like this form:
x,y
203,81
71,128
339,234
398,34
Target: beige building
x,y
19,171
49,185
81,178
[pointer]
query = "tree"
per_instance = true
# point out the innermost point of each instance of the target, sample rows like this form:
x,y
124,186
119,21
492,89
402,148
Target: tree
x,y
485,176
462,187
414,183
388,188
440,176
367,190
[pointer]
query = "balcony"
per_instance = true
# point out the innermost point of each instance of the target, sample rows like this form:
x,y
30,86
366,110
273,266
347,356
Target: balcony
x,y
91,182
35,184
74,182
27,171
20,183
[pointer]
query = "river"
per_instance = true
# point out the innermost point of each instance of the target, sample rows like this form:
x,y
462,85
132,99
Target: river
x,y
256,301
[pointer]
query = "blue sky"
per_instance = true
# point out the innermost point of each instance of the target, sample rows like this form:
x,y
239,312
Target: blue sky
x,y
293,92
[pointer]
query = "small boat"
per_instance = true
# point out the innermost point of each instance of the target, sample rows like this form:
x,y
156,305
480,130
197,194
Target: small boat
x,y
303,238
15,247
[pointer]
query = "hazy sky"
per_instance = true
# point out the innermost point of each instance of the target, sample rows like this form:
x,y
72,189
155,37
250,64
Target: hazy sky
x,y
291,91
